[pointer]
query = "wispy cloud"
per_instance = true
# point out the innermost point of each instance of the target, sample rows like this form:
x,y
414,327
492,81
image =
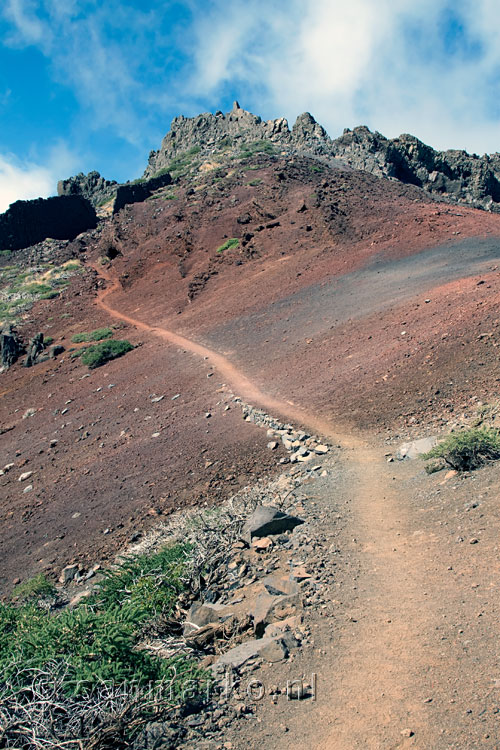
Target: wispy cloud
x,y
390,63
99,50
430,68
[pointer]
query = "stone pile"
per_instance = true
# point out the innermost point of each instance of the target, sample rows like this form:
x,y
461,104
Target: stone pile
x,y
300,445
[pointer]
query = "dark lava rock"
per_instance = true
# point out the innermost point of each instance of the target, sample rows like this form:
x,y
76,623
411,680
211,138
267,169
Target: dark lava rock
x,y
10,346
27,222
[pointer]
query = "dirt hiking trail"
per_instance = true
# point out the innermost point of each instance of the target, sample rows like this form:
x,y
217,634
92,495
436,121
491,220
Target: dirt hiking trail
x,y
390,676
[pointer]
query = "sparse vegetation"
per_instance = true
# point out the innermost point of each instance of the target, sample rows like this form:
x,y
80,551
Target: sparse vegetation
x,y
228,245
20,288
180,164
254,183
98,354
98,335
468,449
35,588
257,147
36,288
53,660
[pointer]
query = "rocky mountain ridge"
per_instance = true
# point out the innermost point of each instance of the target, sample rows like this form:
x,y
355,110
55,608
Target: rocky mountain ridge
x,y
452,175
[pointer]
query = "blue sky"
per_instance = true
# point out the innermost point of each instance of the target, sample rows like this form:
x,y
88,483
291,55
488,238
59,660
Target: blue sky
x,y
86,84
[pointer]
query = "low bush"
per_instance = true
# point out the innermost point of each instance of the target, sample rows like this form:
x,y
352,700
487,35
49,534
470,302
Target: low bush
x,y
228,245
98,335
97,639
468,449
98,354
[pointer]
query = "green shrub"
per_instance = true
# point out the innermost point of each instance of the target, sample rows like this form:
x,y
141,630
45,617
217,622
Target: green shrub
x,y
97,640
468,449
98,354
228,245
254,183
98,335
34,588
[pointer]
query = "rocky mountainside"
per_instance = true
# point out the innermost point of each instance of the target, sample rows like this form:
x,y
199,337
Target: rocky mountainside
x,y
91,186
454,175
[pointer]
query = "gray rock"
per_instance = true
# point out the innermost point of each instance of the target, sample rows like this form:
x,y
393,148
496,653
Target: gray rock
x,y
267,520
203,613
91,186
269,649
321,450
415,448
68,574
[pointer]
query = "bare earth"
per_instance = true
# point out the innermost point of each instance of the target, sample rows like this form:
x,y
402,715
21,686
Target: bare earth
x,y
408,652
367,314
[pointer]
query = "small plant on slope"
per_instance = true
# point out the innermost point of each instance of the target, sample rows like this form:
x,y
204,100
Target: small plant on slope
x,y
468,449
99,354
228,245
98,335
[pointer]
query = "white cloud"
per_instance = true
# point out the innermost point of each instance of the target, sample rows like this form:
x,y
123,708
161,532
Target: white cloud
x,y
24,180
385,63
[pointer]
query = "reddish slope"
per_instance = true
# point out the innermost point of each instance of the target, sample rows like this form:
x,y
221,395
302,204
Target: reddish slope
x,y
357,371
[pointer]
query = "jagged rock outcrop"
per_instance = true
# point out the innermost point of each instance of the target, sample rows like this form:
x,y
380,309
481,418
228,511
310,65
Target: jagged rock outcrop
x,y
27,222
91,186
208,132
11,346
454,175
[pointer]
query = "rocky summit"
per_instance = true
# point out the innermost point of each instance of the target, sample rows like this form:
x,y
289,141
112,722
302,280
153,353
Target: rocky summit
x,y
452,175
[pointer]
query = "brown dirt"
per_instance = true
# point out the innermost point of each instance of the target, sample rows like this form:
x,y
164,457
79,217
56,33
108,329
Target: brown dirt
x,y
295,321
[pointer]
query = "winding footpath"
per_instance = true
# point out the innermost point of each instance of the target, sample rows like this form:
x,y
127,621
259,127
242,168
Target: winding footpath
x,y
389,678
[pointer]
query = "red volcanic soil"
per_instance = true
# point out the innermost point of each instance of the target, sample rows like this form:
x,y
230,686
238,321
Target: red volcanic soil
x,y
331,268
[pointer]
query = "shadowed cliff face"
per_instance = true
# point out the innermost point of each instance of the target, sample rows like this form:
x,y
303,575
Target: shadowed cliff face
x,y
27,222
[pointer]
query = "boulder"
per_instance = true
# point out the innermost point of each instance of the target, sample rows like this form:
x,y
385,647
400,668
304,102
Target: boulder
x,y
267,520
415,448
269,649
35,348
68,574
10,346
56,350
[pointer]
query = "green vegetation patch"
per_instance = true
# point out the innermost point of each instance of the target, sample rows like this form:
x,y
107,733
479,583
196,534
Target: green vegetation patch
x,y
98,335
35,288
257,147
254,183
35,588
468,449
98,354
181,164
228,245
97,640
